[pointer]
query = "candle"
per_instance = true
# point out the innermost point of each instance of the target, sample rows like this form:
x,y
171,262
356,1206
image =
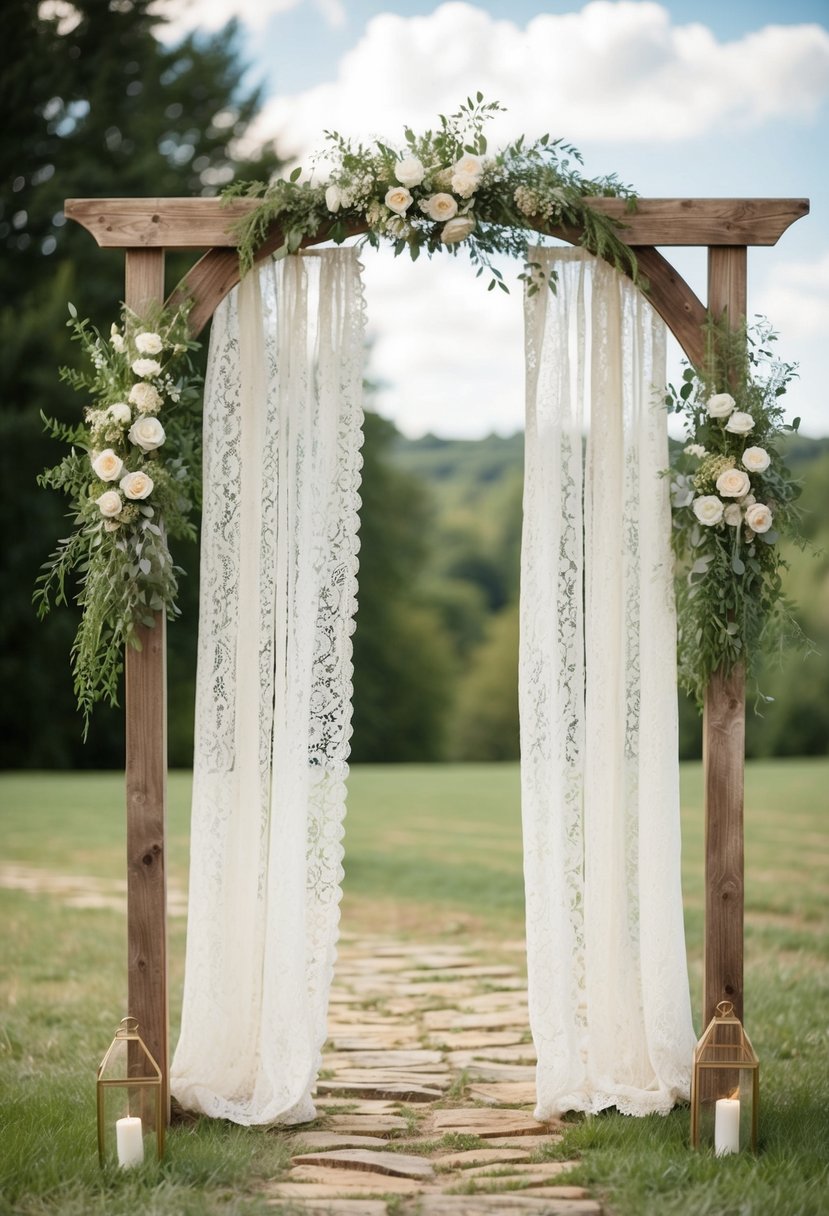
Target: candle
x,y
727,1126
130,1139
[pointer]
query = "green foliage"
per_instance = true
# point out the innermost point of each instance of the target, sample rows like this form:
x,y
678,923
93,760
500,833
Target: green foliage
x,y
100,109
733,498
440,190
118,544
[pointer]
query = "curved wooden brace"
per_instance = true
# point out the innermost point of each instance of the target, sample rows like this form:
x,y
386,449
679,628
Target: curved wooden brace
x,y
217,272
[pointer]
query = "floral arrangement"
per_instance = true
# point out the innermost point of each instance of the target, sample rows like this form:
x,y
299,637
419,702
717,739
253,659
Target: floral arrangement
x,y
440,191
131,476
733,499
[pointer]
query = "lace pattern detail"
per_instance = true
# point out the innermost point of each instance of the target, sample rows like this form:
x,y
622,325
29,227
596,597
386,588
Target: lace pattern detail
x,y
609,998
282,431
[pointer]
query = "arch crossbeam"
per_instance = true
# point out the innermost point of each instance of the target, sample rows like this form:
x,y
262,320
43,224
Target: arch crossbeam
x,y
145,229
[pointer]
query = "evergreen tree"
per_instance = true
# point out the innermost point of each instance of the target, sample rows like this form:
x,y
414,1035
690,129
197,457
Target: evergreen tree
x,y
95,106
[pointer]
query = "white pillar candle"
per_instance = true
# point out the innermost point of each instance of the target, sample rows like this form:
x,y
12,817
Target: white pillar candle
x,y
727,1126
130,1139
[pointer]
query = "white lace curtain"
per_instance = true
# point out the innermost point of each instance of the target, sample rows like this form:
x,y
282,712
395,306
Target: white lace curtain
x,y
608,987
282,433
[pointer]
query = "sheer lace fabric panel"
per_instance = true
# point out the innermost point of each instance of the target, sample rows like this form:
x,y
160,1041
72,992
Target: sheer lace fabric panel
x,y
609,998
282,432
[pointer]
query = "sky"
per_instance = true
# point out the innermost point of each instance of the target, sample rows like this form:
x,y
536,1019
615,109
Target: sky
x,y
691,98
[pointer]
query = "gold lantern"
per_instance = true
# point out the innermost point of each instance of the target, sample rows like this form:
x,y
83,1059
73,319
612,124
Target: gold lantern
x,y
725,1086
130,1116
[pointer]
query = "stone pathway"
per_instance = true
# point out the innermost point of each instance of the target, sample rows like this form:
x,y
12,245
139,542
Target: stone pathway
x,y
426,1094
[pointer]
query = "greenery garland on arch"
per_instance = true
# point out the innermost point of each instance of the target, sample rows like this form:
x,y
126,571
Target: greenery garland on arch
x,y
441,191
132,473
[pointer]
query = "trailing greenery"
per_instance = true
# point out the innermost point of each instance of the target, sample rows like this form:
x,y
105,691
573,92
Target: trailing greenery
x,y
118,547
441,190
733,498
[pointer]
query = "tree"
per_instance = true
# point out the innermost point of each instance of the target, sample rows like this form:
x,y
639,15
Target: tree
x,y
101,108
402,660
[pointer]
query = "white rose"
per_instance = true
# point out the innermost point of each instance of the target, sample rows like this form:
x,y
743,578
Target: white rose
x,y
740,423
120,412
733,515
145,398
146,368
146,433
756,460
733,483
137,485
409,171
758,517
333,198
109,503
398,199
720,405
469,166
440,207
465,184
107,465
457,229
708,509
148,344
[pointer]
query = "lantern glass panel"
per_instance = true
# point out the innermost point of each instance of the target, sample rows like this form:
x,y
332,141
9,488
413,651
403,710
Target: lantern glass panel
x,y
130,1117
725,1087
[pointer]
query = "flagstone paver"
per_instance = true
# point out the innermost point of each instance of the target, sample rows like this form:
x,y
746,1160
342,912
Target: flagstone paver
x,y
427,1093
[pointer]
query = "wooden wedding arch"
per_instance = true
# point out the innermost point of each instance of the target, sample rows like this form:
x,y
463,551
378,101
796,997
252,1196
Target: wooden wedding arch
x,y
145,229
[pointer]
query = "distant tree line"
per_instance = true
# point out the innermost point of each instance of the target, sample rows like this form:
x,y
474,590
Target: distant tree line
x,y
102,108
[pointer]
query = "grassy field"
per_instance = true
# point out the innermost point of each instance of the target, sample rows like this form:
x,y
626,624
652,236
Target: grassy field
x,y
431,852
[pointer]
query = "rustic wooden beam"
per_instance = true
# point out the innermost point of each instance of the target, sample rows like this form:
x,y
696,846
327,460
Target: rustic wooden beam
x,y
723,744
204,223
146,775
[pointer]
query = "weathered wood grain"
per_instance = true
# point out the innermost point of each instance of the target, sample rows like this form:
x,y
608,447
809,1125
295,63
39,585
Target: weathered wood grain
x,y
205,223
723,743
146,776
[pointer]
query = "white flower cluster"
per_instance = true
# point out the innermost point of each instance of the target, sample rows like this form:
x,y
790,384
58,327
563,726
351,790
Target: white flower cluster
x,y
733,484
136,435
444,194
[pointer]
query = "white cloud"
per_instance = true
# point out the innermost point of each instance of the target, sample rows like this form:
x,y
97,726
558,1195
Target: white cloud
x,y
182,16
796,297
615,71
451,353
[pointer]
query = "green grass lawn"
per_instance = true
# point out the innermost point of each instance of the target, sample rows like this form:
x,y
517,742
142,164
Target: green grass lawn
x,y
430,852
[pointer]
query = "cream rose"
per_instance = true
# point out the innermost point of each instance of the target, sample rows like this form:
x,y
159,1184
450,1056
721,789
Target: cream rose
x,y
440,207
740,423
469,165
720,405
457,229
409,171
137,485
708,509
146,368
733,515
398,200
148,344
145,397
146,433
107,465
109,503
733,483
465,184
333,198
758,517
119,411
756,460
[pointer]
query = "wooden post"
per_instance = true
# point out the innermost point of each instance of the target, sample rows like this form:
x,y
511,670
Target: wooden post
x,y
146,773
723,742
